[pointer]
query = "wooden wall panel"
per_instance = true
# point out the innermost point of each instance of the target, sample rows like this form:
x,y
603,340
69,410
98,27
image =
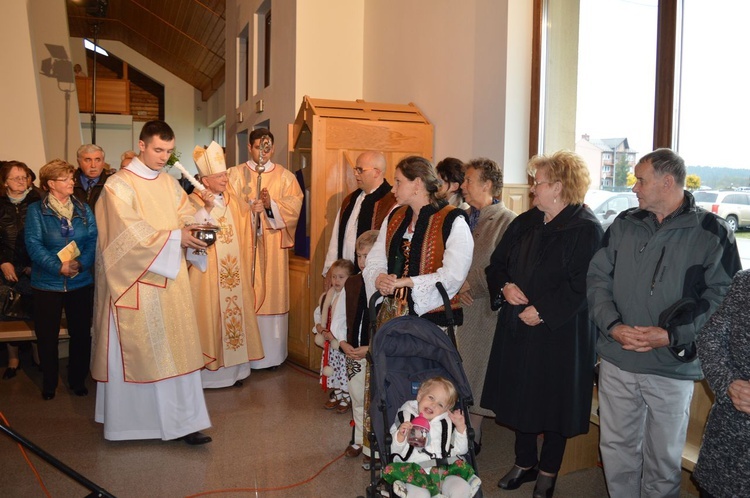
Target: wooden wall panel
x,y
379,135
112,95
516,197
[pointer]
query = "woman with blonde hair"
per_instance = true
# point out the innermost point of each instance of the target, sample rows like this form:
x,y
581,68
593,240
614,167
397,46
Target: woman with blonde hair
x,y
61,240
540,374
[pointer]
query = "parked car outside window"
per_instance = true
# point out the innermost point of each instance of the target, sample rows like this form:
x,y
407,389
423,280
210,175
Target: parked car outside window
x,y
731,205
607,205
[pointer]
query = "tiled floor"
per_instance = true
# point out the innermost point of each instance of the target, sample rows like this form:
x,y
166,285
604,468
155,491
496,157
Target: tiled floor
x,y
271,438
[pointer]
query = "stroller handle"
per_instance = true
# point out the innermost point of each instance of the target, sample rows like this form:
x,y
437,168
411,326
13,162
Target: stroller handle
x,y
372,307
446,303
373,312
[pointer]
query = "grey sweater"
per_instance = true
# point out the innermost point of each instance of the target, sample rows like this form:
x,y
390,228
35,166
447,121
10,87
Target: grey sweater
x,y
723,467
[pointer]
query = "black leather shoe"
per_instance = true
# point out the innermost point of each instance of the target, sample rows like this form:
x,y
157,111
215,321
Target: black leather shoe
x,y
517,476
48,395
545,486
9,373
196,438
81,391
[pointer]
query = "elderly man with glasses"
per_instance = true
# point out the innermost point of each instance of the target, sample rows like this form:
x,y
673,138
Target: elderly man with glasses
x,y
362,210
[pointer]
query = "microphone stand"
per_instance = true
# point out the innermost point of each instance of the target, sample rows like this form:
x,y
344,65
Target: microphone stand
x,y
265,148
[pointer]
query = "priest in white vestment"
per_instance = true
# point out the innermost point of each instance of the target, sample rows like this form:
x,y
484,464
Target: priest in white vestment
x,y
146,349
223,295
278,207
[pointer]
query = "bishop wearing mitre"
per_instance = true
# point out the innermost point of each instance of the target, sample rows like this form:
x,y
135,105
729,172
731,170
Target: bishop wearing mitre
x,y
223,295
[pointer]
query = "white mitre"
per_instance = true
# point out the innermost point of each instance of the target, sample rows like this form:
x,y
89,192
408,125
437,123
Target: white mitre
x,y
211,160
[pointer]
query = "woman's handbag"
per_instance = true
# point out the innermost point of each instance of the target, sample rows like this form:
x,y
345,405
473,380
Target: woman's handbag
x,y
12,303
393,307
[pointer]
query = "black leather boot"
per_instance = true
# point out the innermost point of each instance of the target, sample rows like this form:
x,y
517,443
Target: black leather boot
x,y
545,486
517,476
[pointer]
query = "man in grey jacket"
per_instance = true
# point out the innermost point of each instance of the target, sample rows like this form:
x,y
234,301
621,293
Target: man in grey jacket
x,y
663,269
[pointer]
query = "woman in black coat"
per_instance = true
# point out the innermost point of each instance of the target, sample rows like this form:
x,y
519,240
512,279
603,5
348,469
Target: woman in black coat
x,y
540,374
15,264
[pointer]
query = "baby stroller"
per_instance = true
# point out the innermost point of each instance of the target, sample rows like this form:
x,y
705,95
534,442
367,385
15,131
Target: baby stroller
x,y
403,353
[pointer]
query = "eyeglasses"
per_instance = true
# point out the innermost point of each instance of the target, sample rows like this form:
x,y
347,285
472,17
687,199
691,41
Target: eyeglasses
x,y
18,179
537,183
68,179
359,170
66,228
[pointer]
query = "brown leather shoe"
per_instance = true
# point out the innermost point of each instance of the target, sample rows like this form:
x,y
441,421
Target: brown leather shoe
x,y
343,407
352,452
331,404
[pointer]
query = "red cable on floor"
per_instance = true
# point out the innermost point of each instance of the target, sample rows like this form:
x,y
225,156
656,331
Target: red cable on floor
x,y
279,488
217,491
31,465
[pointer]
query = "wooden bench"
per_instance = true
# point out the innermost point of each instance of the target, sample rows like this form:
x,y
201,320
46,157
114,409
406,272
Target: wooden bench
x,y
24,331
582,451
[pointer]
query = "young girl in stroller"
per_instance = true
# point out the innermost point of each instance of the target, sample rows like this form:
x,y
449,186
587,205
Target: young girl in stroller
x,y
418,472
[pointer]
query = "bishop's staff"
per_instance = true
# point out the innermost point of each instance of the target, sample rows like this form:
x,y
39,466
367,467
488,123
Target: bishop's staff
x,y
265,149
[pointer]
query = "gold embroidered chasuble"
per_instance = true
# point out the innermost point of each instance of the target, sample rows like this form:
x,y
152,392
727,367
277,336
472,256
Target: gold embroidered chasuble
x,y
154,316
223,295
272,271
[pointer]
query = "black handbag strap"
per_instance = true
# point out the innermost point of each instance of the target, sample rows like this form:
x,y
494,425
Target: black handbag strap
x,y
448,312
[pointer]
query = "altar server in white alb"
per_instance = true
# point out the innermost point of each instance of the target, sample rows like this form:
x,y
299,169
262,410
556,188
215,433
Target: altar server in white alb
x,y
223,295
277,205
147,352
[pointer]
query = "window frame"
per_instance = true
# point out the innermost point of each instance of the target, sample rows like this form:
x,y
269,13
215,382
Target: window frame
x,y
666,109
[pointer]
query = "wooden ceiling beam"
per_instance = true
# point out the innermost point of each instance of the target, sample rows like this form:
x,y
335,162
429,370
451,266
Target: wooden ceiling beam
x,y
172,26
163,35
220,16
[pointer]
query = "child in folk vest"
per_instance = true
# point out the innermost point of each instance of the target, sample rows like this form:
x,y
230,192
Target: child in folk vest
x,y
413,471
329,330
357,342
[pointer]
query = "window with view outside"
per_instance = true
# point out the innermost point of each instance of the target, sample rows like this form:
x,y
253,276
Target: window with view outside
x,y
713,99
614,113
598,92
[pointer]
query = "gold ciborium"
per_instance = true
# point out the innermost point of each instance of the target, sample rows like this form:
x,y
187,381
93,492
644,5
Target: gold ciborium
x,y
206,233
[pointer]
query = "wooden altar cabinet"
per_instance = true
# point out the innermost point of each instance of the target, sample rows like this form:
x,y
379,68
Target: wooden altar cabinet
x,y
324,142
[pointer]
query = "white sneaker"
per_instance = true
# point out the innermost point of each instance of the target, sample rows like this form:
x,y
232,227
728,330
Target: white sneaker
x,y
399,488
